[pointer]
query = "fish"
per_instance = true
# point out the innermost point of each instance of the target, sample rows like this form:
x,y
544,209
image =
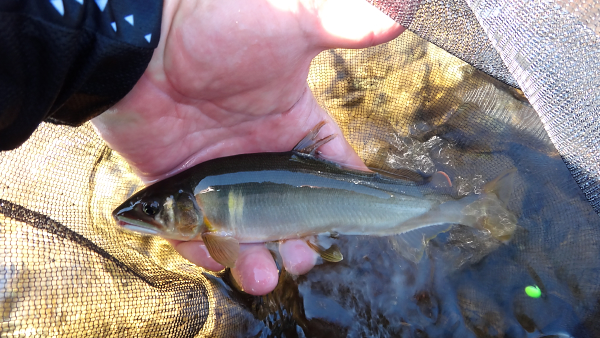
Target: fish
x,y
264,197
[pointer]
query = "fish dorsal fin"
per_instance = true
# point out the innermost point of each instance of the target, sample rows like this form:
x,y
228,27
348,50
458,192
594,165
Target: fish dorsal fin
x,y
309,144
223,249
332,254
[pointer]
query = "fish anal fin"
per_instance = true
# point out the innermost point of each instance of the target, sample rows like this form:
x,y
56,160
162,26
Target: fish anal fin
x,y
223,249
332,254
309,144
411,244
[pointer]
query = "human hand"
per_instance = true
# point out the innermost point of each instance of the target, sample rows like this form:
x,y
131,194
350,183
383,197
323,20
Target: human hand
x,y
229,77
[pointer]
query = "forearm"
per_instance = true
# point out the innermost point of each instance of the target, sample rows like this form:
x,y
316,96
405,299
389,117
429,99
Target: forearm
x,y
68,62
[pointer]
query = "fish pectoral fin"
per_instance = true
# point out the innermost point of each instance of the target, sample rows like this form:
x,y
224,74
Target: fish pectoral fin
x,y
332,254
223,249
309,144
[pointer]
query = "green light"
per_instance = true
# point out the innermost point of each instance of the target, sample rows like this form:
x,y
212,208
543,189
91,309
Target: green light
x,y
533,291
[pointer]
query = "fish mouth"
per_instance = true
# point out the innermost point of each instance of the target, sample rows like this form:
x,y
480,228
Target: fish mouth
x,y
136,225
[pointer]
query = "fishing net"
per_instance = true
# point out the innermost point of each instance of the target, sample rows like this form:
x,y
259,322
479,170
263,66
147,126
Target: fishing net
x,y
473,89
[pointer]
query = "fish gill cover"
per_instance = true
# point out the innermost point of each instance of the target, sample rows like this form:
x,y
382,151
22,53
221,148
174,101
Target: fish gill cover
x,y
68,271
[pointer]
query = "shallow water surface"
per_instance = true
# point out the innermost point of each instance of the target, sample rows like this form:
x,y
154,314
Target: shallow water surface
x,y
407,105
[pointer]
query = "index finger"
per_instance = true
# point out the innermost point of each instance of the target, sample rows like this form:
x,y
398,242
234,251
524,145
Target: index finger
x,y
196,252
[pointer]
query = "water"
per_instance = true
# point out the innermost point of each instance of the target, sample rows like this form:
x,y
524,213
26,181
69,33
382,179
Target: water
x,y
466,283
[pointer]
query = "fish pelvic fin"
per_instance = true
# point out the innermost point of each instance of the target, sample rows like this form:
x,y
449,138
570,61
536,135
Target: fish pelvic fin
x,y
223,249
309,144
331,254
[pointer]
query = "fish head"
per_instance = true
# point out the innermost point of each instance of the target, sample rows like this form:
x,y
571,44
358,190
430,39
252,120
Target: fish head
x,y
169,215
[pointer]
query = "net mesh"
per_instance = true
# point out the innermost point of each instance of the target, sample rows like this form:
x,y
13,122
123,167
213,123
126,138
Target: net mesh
x,y
66,270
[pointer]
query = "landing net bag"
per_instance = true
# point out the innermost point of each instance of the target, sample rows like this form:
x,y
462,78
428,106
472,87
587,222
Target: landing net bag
x,y
472,89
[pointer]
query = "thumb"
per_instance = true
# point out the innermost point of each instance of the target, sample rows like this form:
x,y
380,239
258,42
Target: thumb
x,y
354,24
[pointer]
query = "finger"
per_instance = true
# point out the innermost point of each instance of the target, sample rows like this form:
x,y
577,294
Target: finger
x,y
355,24
298,257
196,252
255,270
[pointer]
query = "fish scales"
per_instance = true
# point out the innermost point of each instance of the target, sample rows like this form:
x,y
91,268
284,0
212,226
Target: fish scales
x,y
272,210
274,196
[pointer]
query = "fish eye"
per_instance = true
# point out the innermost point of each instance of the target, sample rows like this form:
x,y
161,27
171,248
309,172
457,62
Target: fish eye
x,y
150,209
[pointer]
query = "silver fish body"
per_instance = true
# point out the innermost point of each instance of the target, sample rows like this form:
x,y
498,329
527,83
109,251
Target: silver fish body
x,y
274,196
299,201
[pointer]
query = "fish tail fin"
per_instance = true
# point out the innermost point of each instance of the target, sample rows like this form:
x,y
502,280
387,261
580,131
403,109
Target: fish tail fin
x,y
486,211
489,211
502,186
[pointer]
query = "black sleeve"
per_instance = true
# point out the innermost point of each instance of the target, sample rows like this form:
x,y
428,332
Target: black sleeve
x,y
66,61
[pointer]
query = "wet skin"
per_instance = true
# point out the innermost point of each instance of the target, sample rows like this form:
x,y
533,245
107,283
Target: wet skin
x,y
229,77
